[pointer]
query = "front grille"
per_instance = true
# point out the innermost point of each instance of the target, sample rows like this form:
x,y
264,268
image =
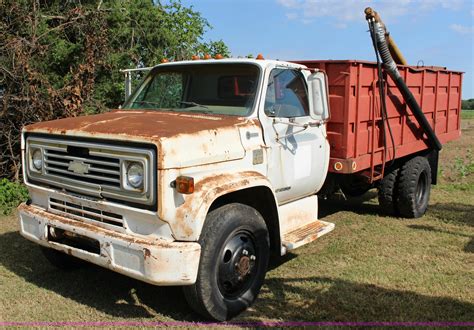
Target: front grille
x,y
100,170
92,168
80,212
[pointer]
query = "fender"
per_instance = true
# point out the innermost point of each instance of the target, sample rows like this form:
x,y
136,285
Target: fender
x,y
189,217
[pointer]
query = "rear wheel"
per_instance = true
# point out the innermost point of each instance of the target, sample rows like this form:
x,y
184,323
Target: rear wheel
x,y
234,257
414,187
388,192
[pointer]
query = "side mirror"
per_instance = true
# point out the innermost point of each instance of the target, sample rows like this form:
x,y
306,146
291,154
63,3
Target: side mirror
x,y
318,100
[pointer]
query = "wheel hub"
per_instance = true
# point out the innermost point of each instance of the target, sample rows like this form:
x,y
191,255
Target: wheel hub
x,y
237,261
243,266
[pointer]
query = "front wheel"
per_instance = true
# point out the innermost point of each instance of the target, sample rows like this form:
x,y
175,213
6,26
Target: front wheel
x,y
234,258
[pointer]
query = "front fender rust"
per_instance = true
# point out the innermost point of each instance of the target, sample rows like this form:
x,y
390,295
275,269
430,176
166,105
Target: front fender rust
x,y
189,217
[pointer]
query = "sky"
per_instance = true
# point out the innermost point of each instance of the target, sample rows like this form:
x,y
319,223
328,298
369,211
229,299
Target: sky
x,y
433,32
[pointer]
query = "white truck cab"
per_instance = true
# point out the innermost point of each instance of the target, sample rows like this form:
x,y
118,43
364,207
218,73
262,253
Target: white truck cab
x,y
208,167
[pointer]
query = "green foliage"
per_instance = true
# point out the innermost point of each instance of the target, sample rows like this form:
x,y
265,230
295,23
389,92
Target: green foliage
x,y
213,48
63,58
11,195
468,104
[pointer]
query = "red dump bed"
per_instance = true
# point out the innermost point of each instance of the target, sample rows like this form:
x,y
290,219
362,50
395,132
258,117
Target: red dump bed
x,y
355,111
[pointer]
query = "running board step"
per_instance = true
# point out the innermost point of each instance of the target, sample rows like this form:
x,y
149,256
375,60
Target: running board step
x,y
306,234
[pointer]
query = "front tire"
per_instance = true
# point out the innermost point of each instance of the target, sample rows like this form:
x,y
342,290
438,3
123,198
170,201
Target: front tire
x,y
235,250
414,187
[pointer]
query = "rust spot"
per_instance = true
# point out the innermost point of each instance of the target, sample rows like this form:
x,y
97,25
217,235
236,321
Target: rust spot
x,y
145,123
206,191
243,267
146,253
92,228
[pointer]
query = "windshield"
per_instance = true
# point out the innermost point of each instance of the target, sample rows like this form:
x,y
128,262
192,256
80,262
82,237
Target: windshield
x,y
227,89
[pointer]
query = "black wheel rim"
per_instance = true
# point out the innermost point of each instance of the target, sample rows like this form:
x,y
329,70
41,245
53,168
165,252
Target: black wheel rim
x,y
237,265
421,188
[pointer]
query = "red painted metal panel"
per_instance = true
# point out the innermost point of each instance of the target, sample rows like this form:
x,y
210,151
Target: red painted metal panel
x,y
355,131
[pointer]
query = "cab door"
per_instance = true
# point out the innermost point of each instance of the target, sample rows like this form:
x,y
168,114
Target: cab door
x,y
297,148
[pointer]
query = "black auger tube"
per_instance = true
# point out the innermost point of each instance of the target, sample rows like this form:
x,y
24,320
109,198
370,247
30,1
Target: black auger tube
x,y
391,67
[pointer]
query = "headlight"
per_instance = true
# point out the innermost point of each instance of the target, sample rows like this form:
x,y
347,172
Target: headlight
x,y
135,175
37,159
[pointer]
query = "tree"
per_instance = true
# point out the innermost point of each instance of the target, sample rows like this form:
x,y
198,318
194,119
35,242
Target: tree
x,y
468,104
62,58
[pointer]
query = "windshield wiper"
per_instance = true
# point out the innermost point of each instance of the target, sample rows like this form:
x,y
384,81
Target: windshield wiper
x,y
202,111
194,104
147,102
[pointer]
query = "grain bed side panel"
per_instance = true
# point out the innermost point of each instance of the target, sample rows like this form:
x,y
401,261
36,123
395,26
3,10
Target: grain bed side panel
x,y
355,130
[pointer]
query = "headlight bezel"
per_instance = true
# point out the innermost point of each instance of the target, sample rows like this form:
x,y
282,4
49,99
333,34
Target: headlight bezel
x,y
126,185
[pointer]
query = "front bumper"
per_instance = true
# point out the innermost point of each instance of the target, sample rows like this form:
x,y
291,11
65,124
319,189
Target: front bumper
x,y
150,260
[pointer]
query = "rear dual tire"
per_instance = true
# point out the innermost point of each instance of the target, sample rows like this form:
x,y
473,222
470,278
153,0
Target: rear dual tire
x,y
414,187
405,191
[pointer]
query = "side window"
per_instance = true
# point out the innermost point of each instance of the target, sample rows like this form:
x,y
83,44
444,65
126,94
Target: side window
x,y
287,94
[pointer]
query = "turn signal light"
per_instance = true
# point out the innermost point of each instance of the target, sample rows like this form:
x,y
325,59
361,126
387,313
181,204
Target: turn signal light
x,y
184,184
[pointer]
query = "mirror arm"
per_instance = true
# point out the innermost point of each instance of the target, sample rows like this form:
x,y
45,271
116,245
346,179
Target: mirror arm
x,y
312,70
289,123
303,127
278,138
316,123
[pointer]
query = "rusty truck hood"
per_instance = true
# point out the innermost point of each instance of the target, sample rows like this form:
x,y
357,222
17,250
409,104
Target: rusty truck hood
x,y
182,139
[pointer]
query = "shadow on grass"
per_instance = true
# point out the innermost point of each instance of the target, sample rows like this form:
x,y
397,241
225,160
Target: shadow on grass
x,y
469,246
358,205
431,228
91,285
457,213
328,299
317,298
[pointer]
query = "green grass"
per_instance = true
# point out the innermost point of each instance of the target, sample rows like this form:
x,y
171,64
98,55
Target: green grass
x,y
467,114
370,268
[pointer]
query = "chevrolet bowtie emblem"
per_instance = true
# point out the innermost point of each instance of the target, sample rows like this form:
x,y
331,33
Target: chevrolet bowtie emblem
x,y
78,167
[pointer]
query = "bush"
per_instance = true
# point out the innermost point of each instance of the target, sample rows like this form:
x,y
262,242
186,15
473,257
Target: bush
x,y
11,195
468,104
